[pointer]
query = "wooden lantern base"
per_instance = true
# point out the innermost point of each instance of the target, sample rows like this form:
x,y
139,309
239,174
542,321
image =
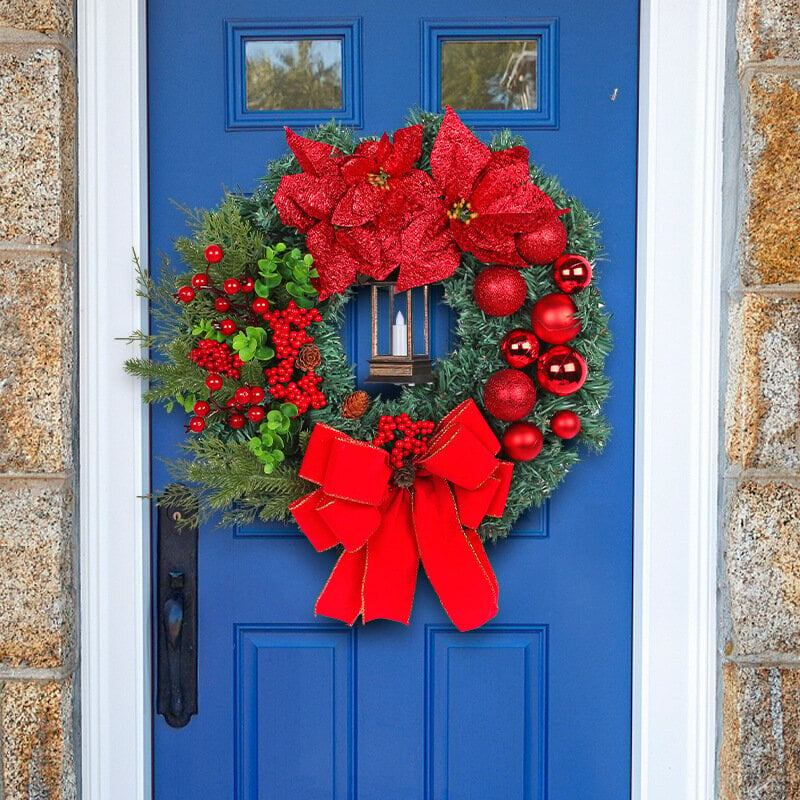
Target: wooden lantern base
x,y
400,369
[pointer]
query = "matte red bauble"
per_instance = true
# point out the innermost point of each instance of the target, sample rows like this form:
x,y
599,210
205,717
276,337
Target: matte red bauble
x,y
509,394
544,245
553,318
499,291
572,273
565,424
522,441
561,370
519,348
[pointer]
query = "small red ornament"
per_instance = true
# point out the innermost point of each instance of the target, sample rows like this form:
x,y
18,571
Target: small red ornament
x,y
561,370
201,408
500,291
222,304
213,253
199,280
228,327
256,394
565,424
509,395
242,395
237,421
519,348
248,285
197,424
186,294
231,286
261,305
553,318
255,413
214,382
572,273
543,245
522,441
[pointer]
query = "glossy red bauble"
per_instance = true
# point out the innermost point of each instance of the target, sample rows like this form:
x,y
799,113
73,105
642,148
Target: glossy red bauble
x,y
197,424
242,395
213,253
228,327
565,424
255,413
572,273
499,291
561,370
509,395
256,394
544,245
199,280
186,294
237,421
222,304
522,441
214,382
231,286
261,305
248,285
201,408
553,318
519,348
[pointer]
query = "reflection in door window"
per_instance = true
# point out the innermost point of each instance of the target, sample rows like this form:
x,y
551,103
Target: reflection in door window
x,y
489,75
288,74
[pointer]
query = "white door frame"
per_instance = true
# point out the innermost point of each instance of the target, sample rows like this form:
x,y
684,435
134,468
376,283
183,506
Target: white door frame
x,y
677,383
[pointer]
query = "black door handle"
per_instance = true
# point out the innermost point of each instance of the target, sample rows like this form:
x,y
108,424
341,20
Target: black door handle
x,y
172,616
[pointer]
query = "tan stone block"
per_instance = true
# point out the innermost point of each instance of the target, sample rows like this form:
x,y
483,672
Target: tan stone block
x,y
759,757
771,230
37,160
36,364
37,608
43,15
762,410
768,29
38,757
763,566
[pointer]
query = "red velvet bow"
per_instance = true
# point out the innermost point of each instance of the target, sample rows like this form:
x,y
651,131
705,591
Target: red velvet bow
x,y
386,530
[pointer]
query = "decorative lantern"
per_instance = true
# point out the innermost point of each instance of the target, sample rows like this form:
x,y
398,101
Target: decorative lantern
x,y
402,364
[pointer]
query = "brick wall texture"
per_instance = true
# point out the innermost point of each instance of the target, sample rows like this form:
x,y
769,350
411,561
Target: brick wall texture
x,y
759,755
38,653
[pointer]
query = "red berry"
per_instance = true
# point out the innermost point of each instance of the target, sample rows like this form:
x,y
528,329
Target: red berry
x,y
201,408
213,253
231,286
237,421
199,280
186,294
242,395
261,305
222,304
197,424
256,394
214,382
228,327
248,285
255,413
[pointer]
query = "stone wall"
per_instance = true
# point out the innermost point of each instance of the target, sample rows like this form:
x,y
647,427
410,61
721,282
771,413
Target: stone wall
x,y
760,750
38,654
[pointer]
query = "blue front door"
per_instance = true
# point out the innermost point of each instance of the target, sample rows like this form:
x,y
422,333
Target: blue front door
x,y
537,703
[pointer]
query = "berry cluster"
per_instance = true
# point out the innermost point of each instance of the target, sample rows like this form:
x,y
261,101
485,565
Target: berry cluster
x,y
246,399
289,335
217,357
414,442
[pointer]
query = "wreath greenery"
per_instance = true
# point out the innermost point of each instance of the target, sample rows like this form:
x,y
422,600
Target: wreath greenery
x,y
252,471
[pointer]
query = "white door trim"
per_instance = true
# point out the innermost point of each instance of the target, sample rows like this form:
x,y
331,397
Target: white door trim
x,y
678,334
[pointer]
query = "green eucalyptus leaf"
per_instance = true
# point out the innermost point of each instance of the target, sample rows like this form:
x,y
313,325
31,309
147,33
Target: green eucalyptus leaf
x,y
265,353
289,410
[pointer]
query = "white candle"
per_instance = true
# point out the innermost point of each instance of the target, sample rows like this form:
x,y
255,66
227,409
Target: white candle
x,y
399,336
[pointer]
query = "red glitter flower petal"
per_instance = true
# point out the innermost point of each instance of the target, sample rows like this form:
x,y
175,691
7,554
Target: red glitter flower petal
x,y
313,157
405,153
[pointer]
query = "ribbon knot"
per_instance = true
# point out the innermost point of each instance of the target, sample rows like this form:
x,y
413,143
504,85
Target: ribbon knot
x,y
387,528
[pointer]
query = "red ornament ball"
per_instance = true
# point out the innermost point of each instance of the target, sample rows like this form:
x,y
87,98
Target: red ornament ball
x,y
222,304
186,294
201,408
509,395
522,441
237,421
561,370
519,348
256,394
543,245
572,273
261,305
213,253
242,395
197,424
499,291
214,382
231,286
255,413
228,327
199,280
248,285
553,318
565,424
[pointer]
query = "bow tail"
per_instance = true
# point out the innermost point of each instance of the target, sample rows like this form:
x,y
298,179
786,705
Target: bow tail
x,y
454,557
342,598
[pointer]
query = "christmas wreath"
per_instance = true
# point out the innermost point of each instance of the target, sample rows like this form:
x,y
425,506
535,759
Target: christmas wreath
x,y
248,342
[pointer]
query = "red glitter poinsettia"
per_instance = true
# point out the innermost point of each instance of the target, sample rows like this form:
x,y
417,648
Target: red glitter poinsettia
x,y
488,196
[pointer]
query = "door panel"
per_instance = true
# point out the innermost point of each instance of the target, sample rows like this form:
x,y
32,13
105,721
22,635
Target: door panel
x,y
537,703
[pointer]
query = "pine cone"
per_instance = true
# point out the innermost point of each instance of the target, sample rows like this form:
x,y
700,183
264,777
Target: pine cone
x,y
308,357
355,405
404,476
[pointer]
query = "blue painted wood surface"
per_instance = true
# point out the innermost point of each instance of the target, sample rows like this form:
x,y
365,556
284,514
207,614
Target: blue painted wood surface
x,y
536,704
